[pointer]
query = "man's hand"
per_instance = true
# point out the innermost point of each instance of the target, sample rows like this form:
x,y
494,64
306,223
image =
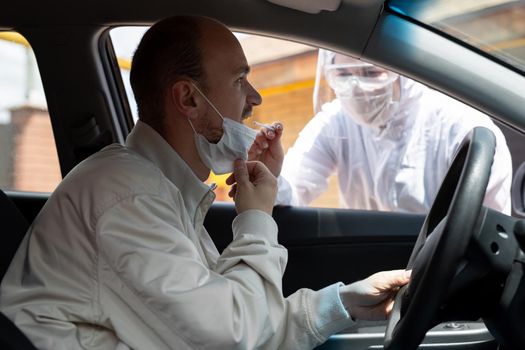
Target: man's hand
x,y
253,186
373,297
268,149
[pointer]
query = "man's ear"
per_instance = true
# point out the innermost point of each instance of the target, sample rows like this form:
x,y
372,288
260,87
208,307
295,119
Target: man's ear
x,y
183,99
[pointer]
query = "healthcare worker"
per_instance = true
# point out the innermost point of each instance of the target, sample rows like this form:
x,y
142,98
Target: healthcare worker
x,y
389,139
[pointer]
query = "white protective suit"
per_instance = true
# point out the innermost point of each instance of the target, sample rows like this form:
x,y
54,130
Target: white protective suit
x,y
399,168
119,258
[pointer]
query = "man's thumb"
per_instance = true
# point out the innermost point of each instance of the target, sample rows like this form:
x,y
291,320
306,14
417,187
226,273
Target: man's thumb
x,y
240,171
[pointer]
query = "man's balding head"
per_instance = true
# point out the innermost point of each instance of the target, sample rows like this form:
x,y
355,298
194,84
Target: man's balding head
x,y
170,50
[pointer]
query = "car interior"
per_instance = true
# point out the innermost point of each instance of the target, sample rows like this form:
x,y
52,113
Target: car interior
x,y
478,305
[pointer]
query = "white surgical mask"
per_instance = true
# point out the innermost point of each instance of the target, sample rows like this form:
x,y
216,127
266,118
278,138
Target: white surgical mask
x,y
235,142
372,109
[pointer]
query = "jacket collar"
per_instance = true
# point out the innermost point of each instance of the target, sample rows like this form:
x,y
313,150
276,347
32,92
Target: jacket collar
x,y
144,140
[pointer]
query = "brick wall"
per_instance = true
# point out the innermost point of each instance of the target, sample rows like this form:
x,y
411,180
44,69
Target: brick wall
x,y
35,166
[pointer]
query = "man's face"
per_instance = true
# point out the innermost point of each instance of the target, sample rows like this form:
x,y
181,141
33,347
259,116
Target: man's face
x,y
227,85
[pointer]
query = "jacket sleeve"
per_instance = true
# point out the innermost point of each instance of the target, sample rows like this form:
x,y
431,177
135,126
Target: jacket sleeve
x,y
309,163
236,304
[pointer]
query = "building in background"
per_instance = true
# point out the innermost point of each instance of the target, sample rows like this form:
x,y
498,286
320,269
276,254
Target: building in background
x,y
28,157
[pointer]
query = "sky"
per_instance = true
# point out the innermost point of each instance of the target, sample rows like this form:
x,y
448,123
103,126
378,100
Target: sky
x,y
16,86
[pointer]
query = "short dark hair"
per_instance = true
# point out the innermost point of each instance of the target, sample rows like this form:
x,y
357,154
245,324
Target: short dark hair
x,y
168,51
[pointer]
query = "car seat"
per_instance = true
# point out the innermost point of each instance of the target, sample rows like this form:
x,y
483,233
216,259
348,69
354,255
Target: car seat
x,y
14,228
12,338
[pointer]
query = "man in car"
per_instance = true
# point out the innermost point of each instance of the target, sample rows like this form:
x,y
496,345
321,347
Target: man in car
x,y
119,257
389,139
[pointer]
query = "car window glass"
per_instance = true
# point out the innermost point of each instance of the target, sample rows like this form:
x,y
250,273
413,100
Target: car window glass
x,y
496,27
352,166
125,41
28,157
284,74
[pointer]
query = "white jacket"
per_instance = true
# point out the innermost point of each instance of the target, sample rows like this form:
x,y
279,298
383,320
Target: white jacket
x,y
119,258
397,169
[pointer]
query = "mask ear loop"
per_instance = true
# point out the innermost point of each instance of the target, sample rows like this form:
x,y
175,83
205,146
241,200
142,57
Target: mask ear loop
x,y
207,100
191,124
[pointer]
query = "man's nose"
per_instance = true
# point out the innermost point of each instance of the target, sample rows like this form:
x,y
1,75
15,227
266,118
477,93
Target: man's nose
x,y
253,98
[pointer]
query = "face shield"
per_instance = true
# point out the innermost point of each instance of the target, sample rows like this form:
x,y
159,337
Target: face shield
x,y
365,91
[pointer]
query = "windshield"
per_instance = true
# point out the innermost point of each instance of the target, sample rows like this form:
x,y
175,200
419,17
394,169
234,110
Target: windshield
x,y
496,27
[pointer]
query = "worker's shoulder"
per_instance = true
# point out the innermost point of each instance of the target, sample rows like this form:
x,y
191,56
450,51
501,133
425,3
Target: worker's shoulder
x,y
449,111
330,109
331,114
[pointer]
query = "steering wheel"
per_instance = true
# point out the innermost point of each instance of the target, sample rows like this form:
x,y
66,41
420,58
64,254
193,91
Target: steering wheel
x,y
442,241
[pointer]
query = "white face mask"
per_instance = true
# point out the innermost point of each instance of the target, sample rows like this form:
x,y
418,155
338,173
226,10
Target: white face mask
x,y
373,109
235,142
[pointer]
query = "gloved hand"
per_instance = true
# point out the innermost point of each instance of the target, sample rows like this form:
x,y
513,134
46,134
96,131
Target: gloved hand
x,y
373,297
